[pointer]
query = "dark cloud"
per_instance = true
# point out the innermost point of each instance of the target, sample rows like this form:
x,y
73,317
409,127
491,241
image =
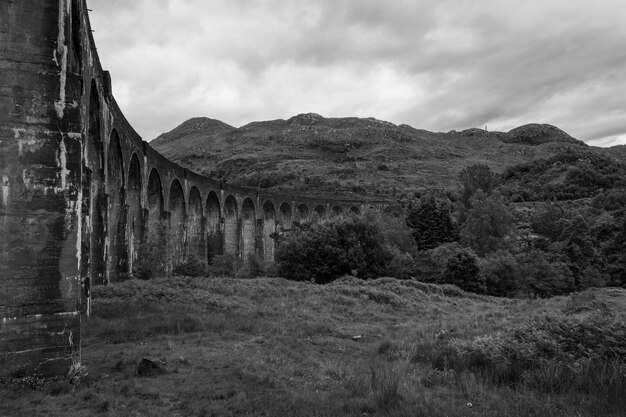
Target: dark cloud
x,y
438,65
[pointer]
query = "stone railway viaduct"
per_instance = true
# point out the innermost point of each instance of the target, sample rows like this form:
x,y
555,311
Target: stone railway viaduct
x,y
81,192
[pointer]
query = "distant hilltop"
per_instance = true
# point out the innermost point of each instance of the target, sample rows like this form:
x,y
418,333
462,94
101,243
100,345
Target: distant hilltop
x,y
351,155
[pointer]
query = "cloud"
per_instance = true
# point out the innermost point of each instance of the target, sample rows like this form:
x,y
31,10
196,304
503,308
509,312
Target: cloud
x,y
437,65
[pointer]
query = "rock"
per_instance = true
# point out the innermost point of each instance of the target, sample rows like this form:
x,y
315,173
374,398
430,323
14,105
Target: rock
x,y
150,367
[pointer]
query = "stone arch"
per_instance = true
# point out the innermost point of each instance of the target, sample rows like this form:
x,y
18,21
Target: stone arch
x,y
269,229
94,201
355,210
319,214
134,219
337,211
115,245
195,236
302,213
231,226
213,226
248,229
285,217
176,206
155,206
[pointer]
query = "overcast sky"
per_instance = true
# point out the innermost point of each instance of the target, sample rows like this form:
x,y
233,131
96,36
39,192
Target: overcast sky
x,y
433,64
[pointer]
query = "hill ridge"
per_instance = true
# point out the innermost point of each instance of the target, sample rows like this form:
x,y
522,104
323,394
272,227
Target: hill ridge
x,y
350,155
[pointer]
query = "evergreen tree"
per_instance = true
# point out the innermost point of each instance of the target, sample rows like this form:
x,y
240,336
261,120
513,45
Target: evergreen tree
x,y
431,223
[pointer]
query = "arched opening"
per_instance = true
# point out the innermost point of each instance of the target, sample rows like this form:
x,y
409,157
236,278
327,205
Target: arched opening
x,y
285,218
302,213
337,211
213,227
195,236
231,226
269,229
116,217
319,215
355,210
176,236
94,201
248,230
134,221
154,246
155,207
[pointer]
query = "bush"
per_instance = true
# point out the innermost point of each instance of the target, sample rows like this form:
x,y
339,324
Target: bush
x,y
193,266
223,265
325,252
151,256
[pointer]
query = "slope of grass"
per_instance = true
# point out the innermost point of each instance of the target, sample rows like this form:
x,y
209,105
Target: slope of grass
x,y
274,347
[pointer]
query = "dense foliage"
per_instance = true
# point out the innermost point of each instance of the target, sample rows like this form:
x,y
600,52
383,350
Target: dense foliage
x,y
431,223
565,176
324,252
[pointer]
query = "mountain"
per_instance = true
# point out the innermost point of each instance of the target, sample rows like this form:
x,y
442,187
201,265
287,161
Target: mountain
x,y
322,156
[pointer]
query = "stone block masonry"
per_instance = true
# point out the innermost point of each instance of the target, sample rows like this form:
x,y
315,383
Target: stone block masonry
x,y
81,192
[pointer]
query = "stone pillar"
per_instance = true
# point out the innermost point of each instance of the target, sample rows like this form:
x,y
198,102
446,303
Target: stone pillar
x,y
40,177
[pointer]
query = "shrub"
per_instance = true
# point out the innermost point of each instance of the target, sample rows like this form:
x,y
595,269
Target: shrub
x,y
151,256
223,265
193,266
325,252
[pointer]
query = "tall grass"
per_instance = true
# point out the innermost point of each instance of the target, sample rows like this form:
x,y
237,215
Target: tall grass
x,y
582,356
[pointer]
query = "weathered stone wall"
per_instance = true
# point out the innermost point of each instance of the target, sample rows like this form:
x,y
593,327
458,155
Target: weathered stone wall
x,y
41,130
81,191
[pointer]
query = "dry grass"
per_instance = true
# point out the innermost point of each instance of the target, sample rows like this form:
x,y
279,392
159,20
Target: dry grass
x,y
274,347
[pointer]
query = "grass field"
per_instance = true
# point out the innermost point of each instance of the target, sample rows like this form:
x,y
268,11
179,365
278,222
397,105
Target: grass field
x,y
271,347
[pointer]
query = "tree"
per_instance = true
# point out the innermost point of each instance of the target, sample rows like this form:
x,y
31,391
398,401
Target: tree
x,y
488,223
542,275
462,271
616,257
500,274
476,177
549,222
431,223
579,247
322,253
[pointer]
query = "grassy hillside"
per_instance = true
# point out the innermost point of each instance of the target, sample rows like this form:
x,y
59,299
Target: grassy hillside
x,y
273,347
317,155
